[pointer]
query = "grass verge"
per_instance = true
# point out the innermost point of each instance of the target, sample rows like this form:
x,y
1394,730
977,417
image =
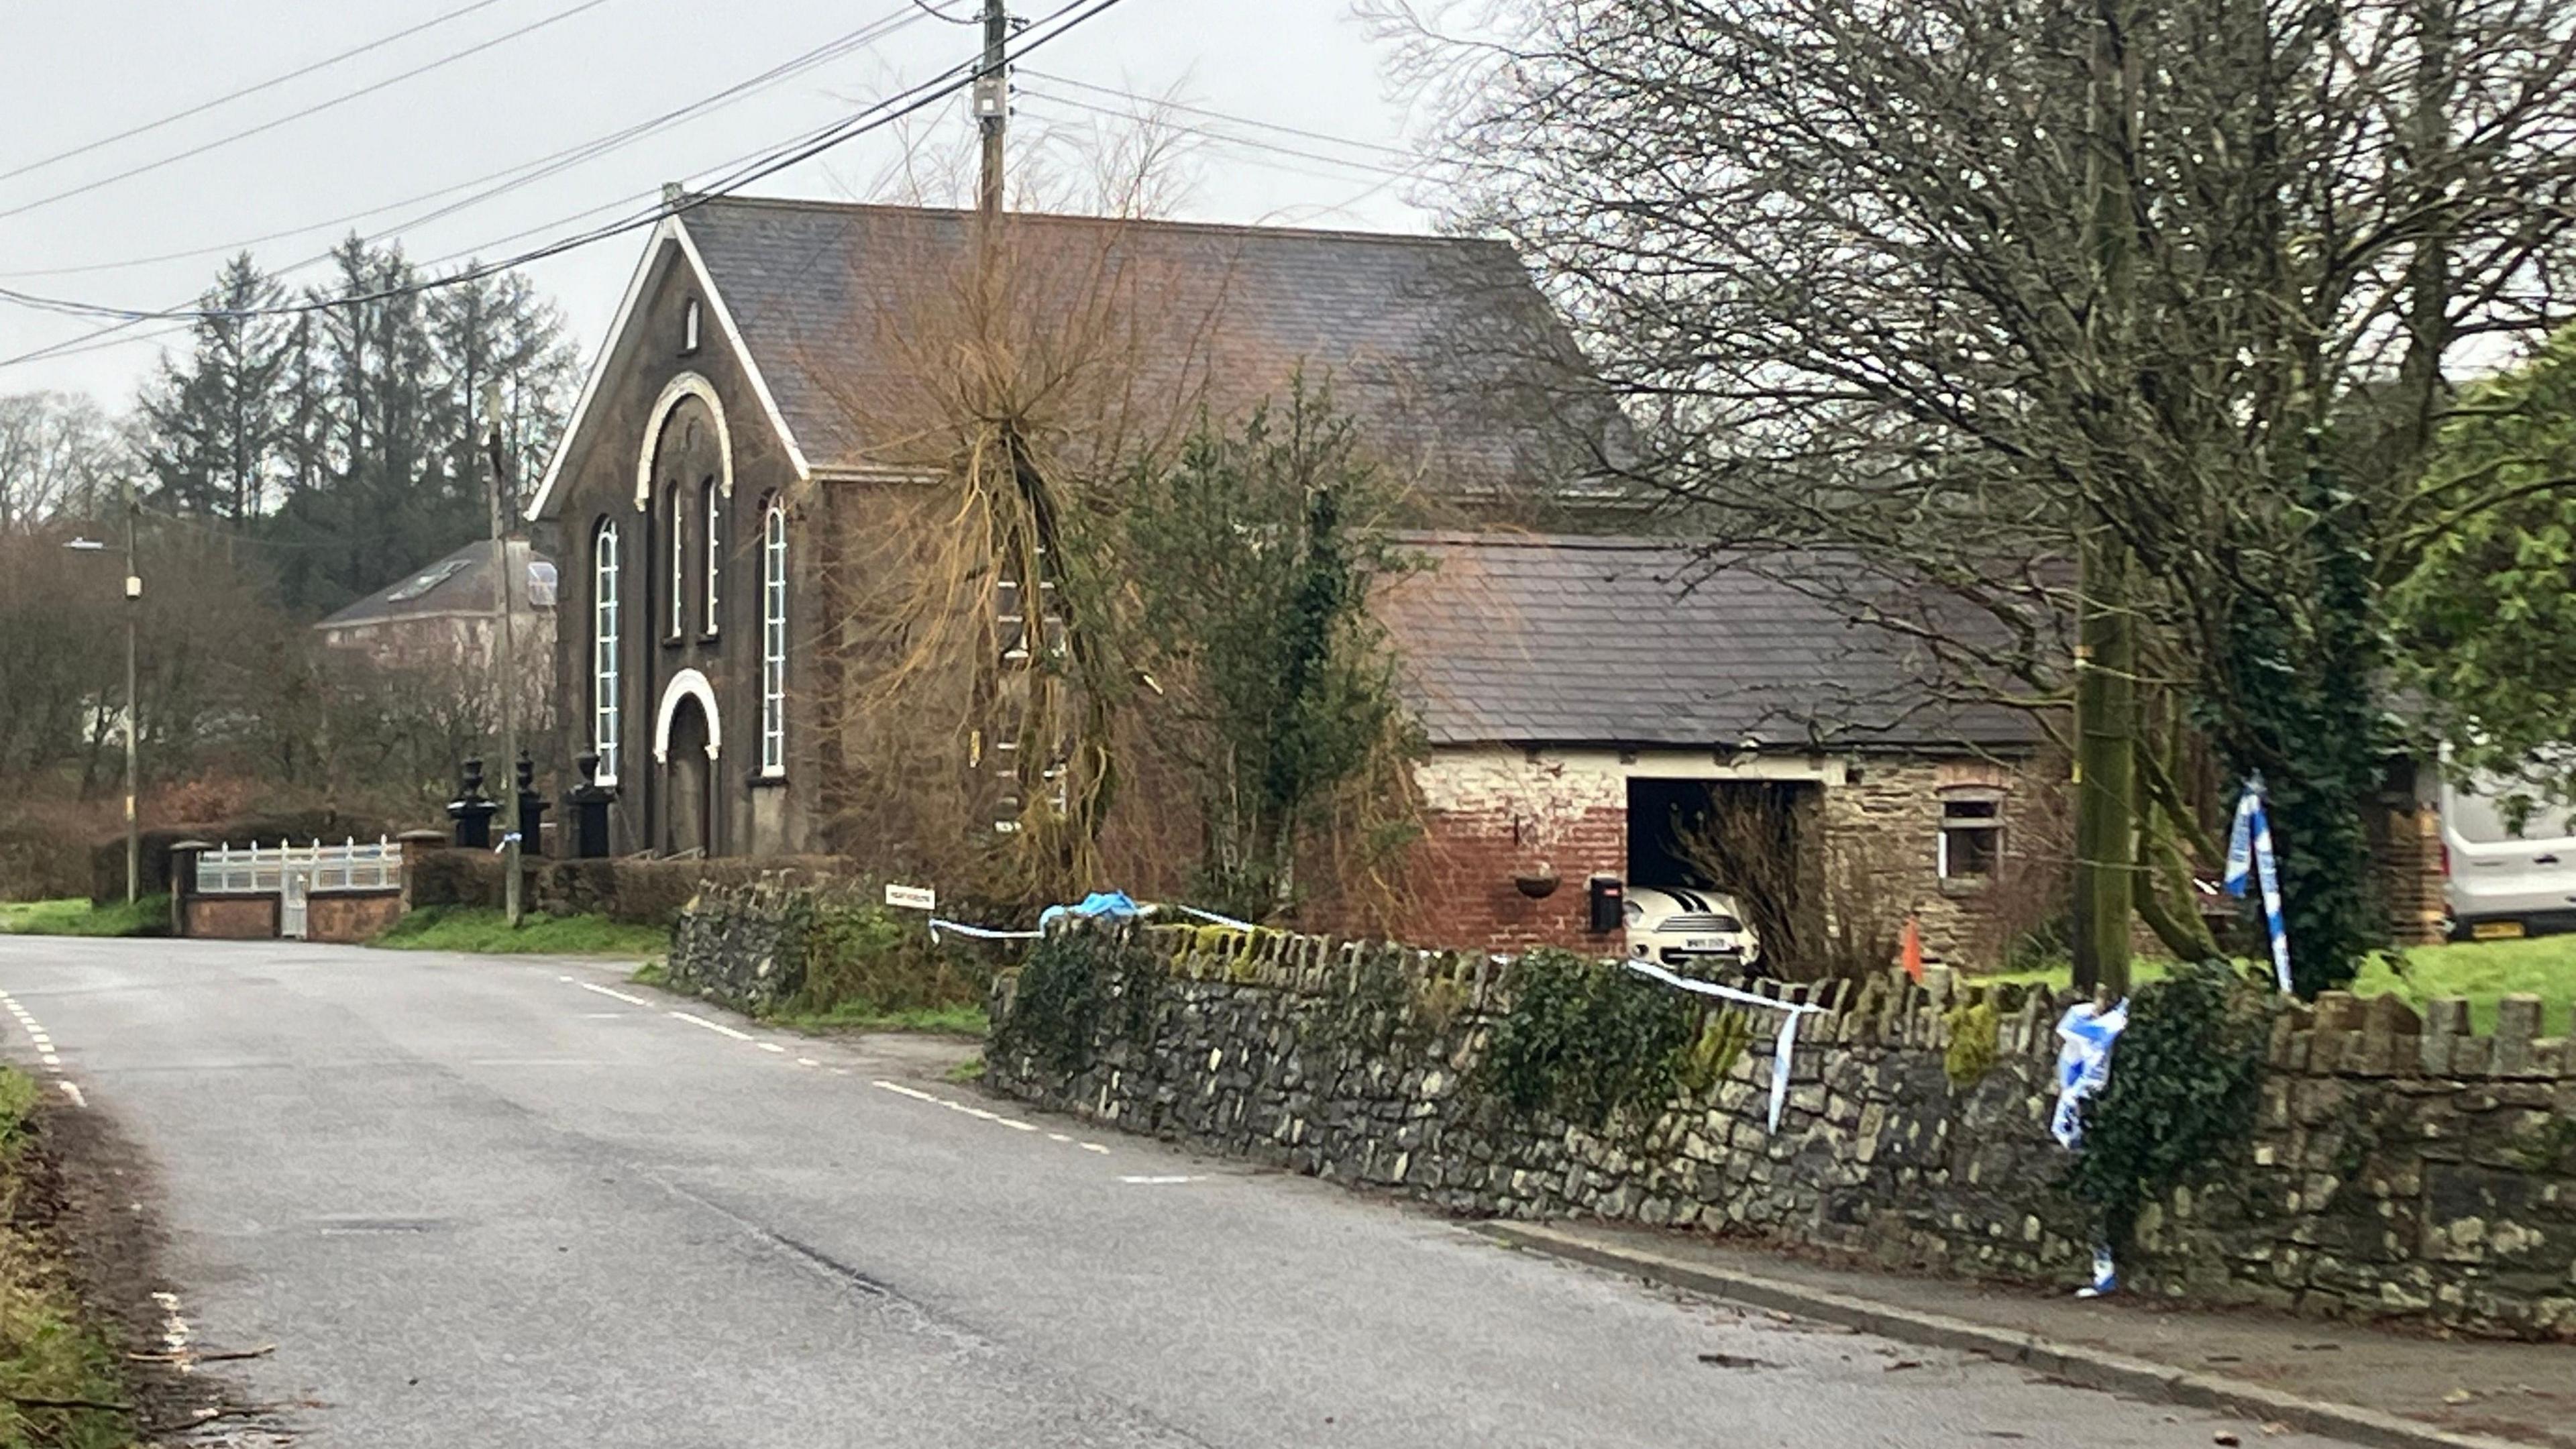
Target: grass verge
x,y
475,928
2482,971
59,1376
864,1016
149,916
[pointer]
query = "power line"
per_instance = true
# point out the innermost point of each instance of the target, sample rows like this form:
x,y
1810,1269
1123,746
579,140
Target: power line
x,y
1170,105
935,13
1220,138
312,110
884,112
526,172
229,97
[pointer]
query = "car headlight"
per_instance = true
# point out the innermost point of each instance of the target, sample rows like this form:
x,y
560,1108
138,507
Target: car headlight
x,y
1632,913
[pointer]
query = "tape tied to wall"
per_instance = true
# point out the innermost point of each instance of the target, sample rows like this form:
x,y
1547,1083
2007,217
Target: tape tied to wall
x,y
1783,1049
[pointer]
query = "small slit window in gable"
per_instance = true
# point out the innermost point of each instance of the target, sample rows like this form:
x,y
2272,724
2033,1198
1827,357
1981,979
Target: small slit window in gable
x,y
690,322
1972,834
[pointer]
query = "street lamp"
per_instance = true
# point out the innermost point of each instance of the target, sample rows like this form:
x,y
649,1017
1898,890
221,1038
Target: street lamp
x,y
133,606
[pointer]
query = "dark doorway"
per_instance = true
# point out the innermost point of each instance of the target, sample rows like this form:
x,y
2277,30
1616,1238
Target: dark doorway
x,y
688,806
1661,813
1755,840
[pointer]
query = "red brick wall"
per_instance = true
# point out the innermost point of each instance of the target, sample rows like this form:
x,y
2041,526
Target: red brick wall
x,y
1461,880
230,918
351,918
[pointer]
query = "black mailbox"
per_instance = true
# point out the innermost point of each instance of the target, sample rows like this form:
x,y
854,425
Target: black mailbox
x,y
1609,904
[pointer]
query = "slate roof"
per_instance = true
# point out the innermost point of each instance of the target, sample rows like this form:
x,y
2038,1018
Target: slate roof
x,y
1530,639
1440,347
459,583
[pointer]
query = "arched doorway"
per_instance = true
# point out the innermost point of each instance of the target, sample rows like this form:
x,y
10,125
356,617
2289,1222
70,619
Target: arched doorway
x,y
687,738
688,806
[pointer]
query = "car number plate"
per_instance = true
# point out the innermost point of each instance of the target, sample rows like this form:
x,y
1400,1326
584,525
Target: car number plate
x,y
1707,943
2495,930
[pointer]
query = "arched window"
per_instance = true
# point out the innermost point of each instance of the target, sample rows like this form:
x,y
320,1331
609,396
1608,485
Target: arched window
x,y
773,639
679,590
604,674
711,519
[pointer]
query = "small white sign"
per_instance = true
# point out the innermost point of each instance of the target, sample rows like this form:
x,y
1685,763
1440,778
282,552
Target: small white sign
x,y
912,898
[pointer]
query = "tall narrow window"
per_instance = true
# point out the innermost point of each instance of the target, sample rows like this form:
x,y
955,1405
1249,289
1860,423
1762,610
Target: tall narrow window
x,y
604,676
773,639
711,518
689,323
679,592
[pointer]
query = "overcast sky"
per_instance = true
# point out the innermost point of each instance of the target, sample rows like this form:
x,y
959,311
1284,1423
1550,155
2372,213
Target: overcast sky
x,y
78,73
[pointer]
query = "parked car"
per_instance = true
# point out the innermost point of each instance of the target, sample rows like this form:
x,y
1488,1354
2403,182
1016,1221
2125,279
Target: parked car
x,y
1677,927
2502,878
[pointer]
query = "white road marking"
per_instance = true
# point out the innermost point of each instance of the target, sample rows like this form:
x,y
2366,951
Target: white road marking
x,y
715,1026
1058,1137
807,1062
49,1059
175,1334
1016,1125
771,1046
1094,1147
73,1091
901,1090
1167,1181
604,991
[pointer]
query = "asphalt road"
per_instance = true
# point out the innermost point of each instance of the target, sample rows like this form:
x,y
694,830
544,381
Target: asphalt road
x,y
499,1203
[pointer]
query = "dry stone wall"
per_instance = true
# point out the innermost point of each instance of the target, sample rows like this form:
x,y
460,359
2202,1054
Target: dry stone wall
x,y
2401,1166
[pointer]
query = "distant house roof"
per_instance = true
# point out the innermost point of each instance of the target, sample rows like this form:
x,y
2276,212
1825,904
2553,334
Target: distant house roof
x,y
1441,348
1528,639
458,584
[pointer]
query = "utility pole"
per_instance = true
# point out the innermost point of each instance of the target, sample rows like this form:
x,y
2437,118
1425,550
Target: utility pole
x,y
993,107
133,608
2106,650
505,654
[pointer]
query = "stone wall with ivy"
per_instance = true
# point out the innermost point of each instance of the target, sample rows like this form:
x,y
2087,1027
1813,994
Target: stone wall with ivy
x,y
788,941
2385,1165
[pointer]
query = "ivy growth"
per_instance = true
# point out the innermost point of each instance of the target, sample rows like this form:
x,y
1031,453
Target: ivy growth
x,y
2182,1094
1587,1041
1072,980
1971,1053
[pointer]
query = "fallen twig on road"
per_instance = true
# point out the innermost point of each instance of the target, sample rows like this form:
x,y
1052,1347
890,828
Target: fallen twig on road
x,y
184,1355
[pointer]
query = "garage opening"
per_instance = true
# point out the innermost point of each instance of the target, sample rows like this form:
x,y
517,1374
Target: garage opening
x,y
1757,841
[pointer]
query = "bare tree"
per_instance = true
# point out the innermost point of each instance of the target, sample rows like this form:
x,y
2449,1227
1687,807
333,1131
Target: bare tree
x,y
2074,307
60,455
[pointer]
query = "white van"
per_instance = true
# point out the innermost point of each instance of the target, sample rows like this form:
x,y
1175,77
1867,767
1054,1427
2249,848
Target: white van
x,y
2501,881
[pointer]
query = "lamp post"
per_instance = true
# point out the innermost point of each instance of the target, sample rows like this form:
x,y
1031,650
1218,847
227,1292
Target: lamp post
x,y
133,608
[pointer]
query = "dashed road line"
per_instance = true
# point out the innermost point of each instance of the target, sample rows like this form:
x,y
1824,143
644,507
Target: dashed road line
x,y
45,1052
1160,1180
717,1027
978,1113
604,991
175,1333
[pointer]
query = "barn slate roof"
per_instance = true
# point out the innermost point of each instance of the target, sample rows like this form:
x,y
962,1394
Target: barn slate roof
x,y
458,583
1533,639
1441,348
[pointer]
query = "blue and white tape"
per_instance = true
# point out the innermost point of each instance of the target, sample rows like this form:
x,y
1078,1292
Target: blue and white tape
x,y
2249,853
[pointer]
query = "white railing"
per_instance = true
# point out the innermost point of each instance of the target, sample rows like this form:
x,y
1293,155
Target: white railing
x,y
257,869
